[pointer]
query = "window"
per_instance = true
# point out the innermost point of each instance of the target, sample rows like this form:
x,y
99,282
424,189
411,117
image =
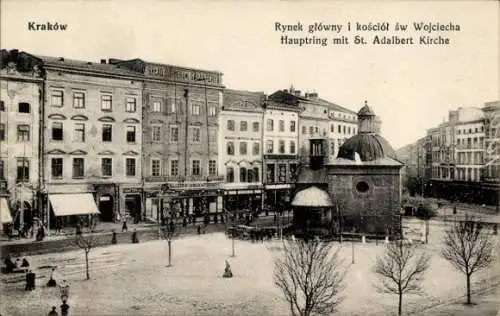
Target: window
x,y
292,147
362,187
212,110
255,127
269,147
173,106
292,126
354,130
79,132
243,175
282,125
155,167
107,132
24,107
106,167
130,134
255,148
230,175
106,102
78,100
2,106
56,167
195,108
212,135
282,146
195,134
23,170
243,126
332,128
348,130
230,148
57,98
174,167
282,173
212,167
156,106
78,168
243,148
293,172
2,169
344,128
311,130
304,129
130,104
250,175
57,131
270,173
270,125
156,133
2,132
174,134
230,125
256,174
23,133
339,128
195,168
130,167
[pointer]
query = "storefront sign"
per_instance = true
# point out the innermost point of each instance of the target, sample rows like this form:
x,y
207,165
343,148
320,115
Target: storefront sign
x,y
181,74
3,185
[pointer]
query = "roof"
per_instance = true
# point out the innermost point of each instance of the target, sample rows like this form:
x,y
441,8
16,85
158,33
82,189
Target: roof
x,y
243,100
332,105
74,64
369,147
308,175
386,162
366,110
312,197
281,106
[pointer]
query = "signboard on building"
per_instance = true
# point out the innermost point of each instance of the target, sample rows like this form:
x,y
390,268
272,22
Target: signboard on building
x,y
182,74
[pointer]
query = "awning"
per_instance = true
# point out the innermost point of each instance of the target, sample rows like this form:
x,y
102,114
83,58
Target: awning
x,y
73,204
312,197
5,216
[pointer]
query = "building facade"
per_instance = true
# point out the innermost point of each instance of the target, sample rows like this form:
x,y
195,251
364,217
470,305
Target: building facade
x,y
20,105
92,134
240,149
180,143
491,181
280,139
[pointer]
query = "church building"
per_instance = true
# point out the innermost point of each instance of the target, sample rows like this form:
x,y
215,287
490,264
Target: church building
x,y
362,184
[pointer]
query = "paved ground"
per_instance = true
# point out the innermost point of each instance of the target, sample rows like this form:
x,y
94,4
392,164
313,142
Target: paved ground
x,y
133,279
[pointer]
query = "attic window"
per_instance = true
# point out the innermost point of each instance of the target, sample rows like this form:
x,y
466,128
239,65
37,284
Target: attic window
x,y
362,187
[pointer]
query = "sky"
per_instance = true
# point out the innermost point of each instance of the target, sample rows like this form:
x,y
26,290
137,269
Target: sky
x,y
411,87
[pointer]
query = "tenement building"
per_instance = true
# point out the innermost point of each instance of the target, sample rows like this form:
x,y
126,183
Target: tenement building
x,y
357,192
20,104
180,145
91,137
280,142
240,149
491,180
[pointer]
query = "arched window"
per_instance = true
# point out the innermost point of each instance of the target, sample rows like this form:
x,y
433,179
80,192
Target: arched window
x,y
243,175
230,148
230,175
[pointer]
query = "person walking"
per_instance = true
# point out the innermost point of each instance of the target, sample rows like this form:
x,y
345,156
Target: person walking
x,y
124,226
53,312
64,309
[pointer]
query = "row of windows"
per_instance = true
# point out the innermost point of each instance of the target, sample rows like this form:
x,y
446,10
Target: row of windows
x,y
281,170
156,170
195,107
281,147
195,134
78,167
231,126
341,129
78,97
470,130
245,175
23,132
318,109
57,132
281,125
22,107
243,148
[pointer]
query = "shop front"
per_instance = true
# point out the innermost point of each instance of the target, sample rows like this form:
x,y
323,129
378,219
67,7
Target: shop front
x,y
107,200
277,197
243,198
131,202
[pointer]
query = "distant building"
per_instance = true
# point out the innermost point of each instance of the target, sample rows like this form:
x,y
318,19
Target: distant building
x,y
20,105
491,181
281,158
180,142
240,149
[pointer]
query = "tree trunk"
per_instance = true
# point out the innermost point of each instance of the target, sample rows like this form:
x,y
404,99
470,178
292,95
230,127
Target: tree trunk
x,y
468,289
87,264
400,305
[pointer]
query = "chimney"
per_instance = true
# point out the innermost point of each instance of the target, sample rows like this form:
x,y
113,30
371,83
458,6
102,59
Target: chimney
x,y
103,61
61,58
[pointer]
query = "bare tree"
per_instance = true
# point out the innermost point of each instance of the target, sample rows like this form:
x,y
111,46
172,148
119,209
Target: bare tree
x,y
86,241
468,248
311,277
401,270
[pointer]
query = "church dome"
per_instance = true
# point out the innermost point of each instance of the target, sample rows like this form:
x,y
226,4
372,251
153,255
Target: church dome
x,y
369,147
312,197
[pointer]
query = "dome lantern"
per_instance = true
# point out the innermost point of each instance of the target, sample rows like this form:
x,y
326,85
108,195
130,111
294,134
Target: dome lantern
x,y
368,122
